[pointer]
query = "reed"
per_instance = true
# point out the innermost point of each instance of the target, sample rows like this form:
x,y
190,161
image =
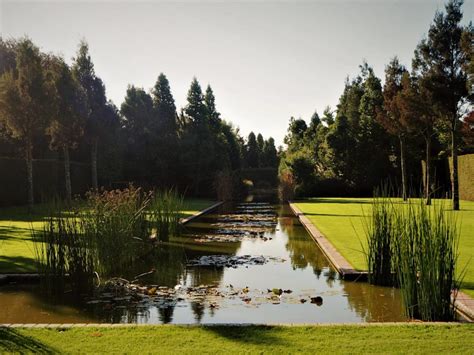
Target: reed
x,y
380,230
164,214
115,221
63,253
425,253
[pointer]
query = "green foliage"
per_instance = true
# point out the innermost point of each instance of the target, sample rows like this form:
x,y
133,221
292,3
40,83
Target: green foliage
x,y
164,213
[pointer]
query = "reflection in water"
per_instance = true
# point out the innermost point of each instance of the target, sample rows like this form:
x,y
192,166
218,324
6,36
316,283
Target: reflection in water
x,y
305,272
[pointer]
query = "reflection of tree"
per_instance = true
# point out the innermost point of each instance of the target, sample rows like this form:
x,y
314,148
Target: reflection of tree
x,y
374,303
198,310
303,251
331,276
166,314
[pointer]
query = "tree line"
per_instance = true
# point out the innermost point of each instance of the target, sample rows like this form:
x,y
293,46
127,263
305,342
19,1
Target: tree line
x,y
378,131
49,109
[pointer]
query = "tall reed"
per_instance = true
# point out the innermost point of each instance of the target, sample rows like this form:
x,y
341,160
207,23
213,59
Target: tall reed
x,y
116,223
63,253
425,257
164,213
380,234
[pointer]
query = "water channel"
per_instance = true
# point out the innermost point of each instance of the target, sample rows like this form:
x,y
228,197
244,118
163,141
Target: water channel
x,y
252,262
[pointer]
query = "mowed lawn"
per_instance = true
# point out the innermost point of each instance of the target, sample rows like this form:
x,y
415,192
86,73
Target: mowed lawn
x,y
16,246
334,339
341,220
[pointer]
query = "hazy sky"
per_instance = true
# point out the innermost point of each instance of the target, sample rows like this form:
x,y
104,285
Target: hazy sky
x,y
266,61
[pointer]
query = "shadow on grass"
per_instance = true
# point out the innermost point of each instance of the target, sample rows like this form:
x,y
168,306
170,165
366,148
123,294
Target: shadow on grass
x,y
16,264
337,200
12,341
253,334
333,215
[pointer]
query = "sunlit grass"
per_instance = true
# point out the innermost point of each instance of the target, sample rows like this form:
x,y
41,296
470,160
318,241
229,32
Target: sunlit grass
x,y
376,339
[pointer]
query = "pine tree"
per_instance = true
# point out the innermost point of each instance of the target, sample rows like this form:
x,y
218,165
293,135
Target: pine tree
x,y
23,102
251,151
439,62
95,126
68,113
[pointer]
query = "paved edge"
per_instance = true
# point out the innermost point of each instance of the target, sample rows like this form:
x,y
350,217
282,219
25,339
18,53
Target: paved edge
x,y
200,213
463,303
315,325
343,267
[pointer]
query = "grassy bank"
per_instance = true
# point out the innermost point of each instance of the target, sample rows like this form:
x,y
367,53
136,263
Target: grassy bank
x,y
414,338
341,221
16,246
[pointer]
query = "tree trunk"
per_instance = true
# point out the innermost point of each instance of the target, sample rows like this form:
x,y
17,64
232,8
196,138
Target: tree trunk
x,y
454,174
428,172
403,168
29,174
67,174
94,164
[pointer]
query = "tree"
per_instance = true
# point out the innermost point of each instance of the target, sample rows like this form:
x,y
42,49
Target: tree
x,y
68,113
167,128
270,155
95,125
210,102
261,146
23,94
415,104
439,62
251,151
139,127
390,116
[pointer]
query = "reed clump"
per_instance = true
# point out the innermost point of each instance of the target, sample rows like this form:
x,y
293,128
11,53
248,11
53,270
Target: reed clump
x,y
64,255
415,247
164,214
380,229
425,253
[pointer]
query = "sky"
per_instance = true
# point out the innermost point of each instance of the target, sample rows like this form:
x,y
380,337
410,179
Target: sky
x,y
265,60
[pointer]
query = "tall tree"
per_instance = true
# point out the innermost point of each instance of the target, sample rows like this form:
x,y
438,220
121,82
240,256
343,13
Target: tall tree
x,y
415,104
68,113
83,70
439,61
251,151
210,102
270,155
23,94
167,129
261,146
390,116
199,142
139,126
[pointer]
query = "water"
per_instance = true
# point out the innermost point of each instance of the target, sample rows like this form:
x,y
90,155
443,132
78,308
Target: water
x,y
235,294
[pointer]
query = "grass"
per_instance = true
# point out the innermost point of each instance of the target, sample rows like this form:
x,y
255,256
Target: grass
x,y
16,245
354,339
341,220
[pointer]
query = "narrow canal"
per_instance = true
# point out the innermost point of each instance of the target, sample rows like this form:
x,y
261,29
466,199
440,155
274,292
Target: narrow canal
x,y
248,263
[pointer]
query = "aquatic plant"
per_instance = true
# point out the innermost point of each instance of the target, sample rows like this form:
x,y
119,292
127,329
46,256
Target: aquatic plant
x,y
63,253
164,213
425,252
380,230
116,223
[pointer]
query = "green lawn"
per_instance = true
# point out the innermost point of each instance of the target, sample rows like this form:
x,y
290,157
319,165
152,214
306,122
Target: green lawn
x,y
356,339
16,247
341,221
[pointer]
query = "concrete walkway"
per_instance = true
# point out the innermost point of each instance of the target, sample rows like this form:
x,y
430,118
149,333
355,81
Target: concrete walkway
x,y
463,303
343,267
